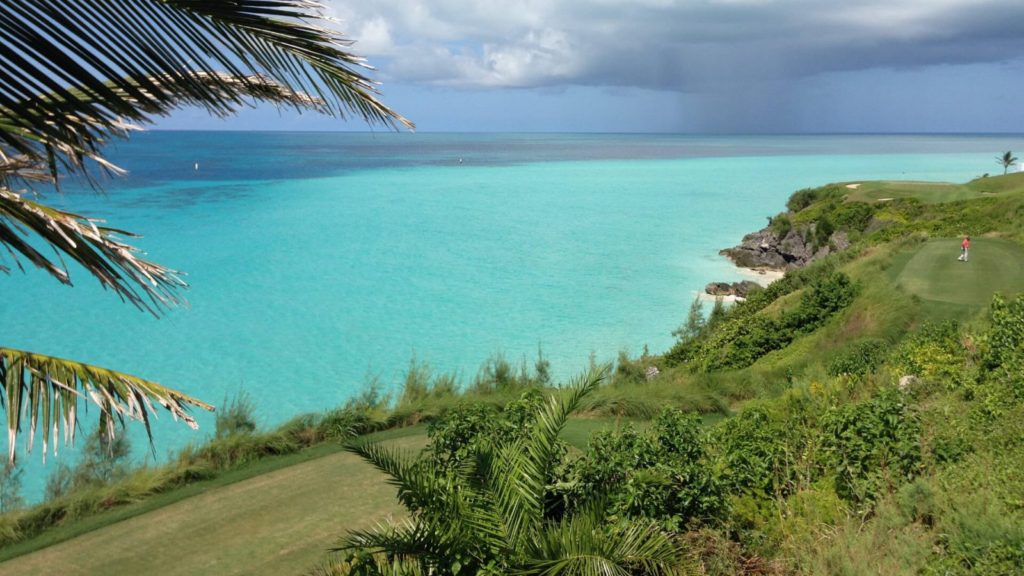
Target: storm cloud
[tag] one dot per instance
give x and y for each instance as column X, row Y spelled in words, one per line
column 685, row 46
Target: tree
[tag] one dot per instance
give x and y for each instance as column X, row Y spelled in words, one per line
column 10, row 487
column 69, row 84
column 489, row 512
column 103, row 460
column 694, row 323
column 1006, row 160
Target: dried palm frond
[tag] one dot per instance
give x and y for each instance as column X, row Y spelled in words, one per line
column 45, row 391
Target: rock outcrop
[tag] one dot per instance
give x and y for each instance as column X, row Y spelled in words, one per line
column 738, row 289
column 765, row 249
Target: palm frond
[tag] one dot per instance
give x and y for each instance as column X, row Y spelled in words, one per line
column 524, row 466
column 404, row 539
column 97, row 248
column 377, row 564
column 72, row 72
column 45, row 391
column 418, row 487
column 585, row 546
column 111, row 261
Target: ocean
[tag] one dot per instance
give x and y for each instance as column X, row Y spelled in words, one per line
column 321, row 261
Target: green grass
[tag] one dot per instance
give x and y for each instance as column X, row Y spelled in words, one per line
column 928, row 192
column 577, row 431
column 272, row 523
column 936, row 192
column 75, row 529
column 933, row 272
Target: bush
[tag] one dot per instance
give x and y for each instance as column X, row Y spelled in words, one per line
column 854, row 216
column 753, row 451
column 459, row 432
column 663, row 474
column 236, row 416
column 935, row 353
column 1004, row 343
column 801, row 199
column 874, row 446
column 859, row 359
column 780, row 225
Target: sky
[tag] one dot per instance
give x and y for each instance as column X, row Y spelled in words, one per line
column 689, row 66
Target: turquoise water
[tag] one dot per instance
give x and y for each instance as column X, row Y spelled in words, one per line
column 316, row 260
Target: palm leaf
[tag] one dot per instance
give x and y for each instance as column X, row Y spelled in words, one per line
column 112, row 51
column 405, row 539
column 585, row 546
column 418, row 488
column 45, row 391
column 523, row 467
column 97, row 248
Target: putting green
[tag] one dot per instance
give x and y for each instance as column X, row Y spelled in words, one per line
column 927, row 192
column 934, row 273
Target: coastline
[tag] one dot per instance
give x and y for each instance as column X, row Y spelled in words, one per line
column 761, row 275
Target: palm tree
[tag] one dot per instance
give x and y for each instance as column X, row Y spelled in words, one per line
column 75, row 74
column 489, row 516
column 1006, row 160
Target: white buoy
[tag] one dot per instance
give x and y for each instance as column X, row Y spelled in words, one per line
column 197, row 165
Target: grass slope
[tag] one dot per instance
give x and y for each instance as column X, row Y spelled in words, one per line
column 277, row 523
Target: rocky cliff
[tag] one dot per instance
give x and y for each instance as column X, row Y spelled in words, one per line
column 797, row 247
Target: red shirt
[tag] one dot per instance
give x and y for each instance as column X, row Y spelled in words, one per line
column 966, row 243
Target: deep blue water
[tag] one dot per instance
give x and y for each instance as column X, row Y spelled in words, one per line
column 320, row 260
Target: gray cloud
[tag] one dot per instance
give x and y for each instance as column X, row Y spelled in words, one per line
column 689, row 46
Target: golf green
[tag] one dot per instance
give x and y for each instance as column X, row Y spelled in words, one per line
column 934, row 272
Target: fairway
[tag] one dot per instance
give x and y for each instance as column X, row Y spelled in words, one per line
column 278, row 523
column 927, row 192
column 934, row 192
column 934, row 273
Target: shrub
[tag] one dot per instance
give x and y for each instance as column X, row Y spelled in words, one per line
column 236, row 416
column 801, row 199
column 628, row 370
column 859, row 359
column 10, row 488
column 873, row 446
column 1004, row 343
column 823, row 229
column 663, row 474
column 459, row 432
column 854, row 216
column 935, row 352
column 753, row 449
column 780, row 225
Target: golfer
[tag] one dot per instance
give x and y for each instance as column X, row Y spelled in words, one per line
column 965, row 247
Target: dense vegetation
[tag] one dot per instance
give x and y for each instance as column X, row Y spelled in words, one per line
column 865, row 414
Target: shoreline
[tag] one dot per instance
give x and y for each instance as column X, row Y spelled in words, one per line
column 761, row 275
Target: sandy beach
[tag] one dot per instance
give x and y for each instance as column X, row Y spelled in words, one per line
column 763, row 276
